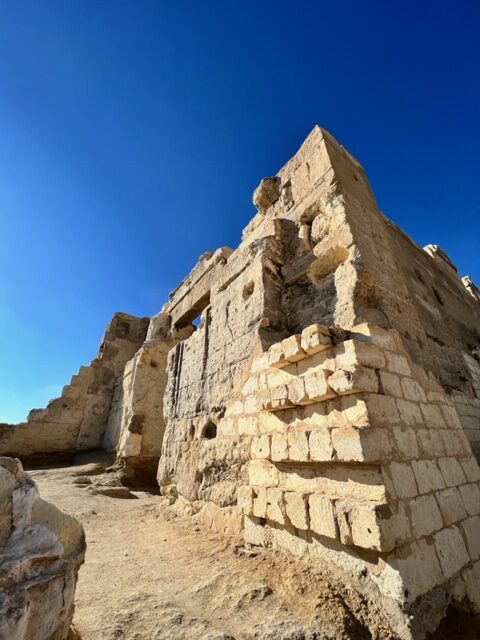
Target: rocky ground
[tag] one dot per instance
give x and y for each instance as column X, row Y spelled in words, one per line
column 154, row 573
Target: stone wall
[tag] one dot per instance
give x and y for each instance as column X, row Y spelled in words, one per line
column 77, row 419
column 41, row 549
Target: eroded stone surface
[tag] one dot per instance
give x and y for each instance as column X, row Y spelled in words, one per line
column 41, row 550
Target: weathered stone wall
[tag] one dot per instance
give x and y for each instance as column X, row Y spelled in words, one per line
column 358, row 457
column 41, row 550
column 77, row 419
column 328, row 400
column 337, row 432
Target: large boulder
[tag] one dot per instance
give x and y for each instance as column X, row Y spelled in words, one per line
column 41, row 550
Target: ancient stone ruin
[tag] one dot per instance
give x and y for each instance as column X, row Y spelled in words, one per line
column 317, row 388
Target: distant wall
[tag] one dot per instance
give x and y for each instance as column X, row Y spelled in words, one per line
column 77, row 419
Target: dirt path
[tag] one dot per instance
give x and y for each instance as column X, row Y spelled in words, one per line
column 151, row 574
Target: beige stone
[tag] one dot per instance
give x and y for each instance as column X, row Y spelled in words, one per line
column 322, row 516
column 292, row 348
column 296, row 509
column 315, row 338
column 451, row 505
column 320, row 445
column 276, row 506
column 356, row 352
column 451, row 551
column 279, row 447
column 471, row 529
column 426, row 516
column 298, row 446
column 403, row 480
column 353, row 380
column 262, row 472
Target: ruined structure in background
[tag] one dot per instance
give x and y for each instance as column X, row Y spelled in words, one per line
column 41, row 550
column 328, row 402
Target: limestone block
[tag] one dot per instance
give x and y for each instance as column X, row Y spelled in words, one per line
column 298, row 446
column 342, row 516
column 451, row 551
column 452, row 472
column 279, row 398
column 413, row 391
column 322, row 516
column 276, row 506
column 260, row 502
column 471, row 468
column 419, row 567
column 250, row 385
column 266, row 194
column 410, row 413
column 428, row 476
column 390, row 384
column 382, row 410
column 470, row 494
column 322, row 360
column 355, row 379
column 279, row 447
column 367, row 526
column 276, row 357
column 297, row 393
column 353, row 444
column 376, row 335
column 317, row 387
column 356, row 352
column 245, row 500
column 451, row 417
column 262, row 473
column 430, row 443
column 451, row 505
column 261, row 447
column 315, row 338
column 260, row 363
column 433, row 416
column 296, row 505
column 247, row 425
column 403, row 480
column 471, row 529
column 320, row 445
column 253, row 532
column 406, row 442
column 397, row 364
column 426, row 516
column 292, row 348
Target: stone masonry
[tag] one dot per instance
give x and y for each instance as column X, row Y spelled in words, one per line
column 317, row 388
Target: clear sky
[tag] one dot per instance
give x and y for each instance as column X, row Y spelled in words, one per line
column 132, row 135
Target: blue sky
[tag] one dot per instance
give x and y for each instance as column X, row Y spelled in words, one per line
column 133, row 134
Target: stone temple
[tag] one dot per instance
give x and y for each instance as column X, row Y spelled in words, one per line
column 317, row 388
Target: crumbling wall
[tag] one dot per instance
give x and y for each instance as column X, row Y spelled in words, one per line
column 41, row 550
column 339, row 434
column 359, row 459
column 77, row 419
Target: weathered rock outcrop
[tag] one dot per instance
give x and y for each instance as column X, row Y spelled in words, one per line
column 41, row 550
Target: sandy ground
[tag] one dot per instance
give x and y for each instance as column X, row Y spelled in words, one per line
column 151, row 574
